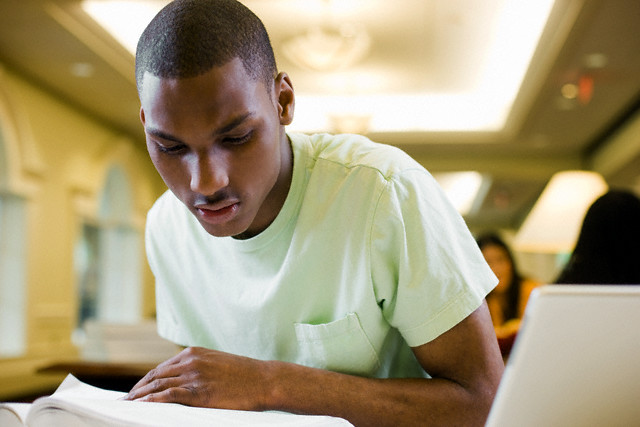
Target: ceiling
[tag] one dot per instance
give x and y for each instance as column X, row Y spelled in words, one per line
column 593, row 44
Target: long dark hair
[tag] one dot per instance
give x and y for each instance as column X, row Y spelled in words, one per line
column 608, row 247
column 510, row 311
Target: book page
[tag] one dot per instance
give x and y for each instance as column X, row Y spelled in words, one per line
column 13, row 414
column 76, row 403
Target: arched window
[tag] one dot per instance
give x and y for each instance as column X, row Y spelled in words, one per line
column 108, row 257
column 12, row 264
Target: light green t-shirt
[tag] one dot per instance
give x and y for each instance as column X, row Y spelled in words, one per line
column 365, row 259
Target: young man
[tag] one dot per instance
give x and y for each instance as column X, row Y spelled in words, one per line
column 311, row 274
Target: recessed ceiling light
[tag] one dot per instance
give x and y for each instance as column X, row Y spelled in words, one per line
column 569, row 90
column 595, row 60
column 82, row 69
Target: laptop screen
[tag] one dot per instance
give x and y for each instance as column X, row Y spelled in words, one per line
column 575, row 361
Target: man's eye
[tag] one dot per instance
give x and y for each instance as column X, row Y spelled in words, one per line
column 239, row 140
column 173, row 149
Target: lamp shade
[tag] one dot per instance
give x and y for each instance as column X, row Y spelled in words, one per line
column 555, row 221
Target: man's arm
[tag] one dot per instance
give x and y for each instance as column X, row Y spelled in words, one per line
column 465, row 365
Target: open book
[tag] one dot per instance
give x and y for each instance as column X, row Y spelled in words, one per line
column 75, row 403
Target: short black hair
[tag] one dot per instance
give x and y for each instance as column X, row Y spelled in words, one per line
column 189, row 37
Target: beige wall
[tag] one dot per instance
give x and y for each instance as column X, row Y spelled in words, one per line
column 57, row 158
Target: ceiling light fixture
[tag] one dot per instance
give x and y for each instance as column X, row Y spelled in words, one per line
column 82, row 69
column 328, row 47
column 569, row 90
column 595, row 60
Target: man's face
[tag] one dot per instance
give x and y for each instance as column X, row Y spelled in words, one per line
column 218, row 142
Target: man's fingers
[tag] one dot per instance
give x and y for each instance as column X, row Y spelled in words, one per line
column 156, row 380
column 172, row 395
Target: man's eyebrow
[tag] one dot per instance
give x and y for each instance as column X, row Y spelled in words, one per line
column 223, row 129
column 233, row 123
column 162, row 134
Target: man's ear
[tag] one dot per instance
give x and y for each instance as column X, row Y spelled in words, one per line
column 286, row 98
column 142, row 116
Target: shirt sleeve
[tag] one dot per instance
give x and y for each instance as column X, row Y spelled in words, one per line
column 427, row 270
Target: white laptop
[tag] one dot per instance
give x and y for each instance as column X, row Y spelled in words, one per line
column 575, row 361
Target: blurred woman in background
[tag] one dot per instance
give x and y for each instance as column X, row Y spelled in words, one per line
column 509, row 298
column 608, row 247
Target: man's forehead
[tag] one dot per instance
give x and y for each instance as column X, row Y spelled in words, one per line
column 152, row 82
column 154, row 86
column 217, row 98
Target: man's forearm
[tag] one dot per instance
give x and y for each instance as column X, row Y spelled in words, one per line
column 465, row 364
column 376, row 402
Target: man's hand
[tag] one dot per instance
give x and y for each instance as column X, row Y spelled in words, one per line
column 206, row 378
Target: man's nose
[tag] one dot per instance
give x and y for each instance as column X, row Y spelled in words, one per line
column 209, row 174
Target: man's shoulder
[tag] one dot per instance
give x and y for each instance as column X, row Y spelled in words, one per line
column 352, row 151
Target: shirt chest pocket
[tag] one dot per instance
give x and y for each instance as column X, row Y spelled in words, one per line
column 340, row 346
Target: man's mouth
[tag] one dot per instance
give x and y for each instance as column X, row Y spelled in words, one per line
column 217, row 214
